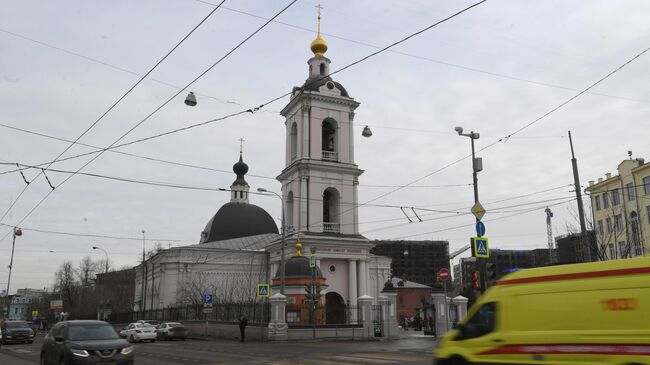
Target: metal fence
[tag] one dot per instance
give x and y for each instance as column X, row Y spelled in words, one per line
column 304, row 314
column 222, row 312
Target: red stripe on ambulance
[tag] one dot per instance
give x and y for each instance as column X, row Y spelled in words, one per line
column 571, row 349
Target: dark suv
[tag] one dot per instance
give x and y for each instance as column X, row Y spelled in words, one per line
column 17, row 331
column 85, row 342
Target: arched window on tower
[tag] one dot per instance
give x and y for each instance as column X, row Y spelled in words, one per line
column 636, row 234
column 329, row 140
column 322, row 69
column 331, row 211
column 294, row 141
column 288, row 219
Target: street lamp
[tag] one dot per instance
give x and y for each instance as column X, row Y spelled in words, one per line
column 262, row 190
column 477, row 166
column 17, row 232
column 477, row 163
column 105, row 253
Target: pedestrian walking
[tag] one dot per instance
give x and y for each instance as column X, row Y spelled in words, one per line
column 243, row 322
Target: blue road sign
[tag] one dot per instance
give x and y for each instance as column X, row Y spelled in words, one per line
column 208, row 298
column 480, row 229
column 480, row 247
column 263, row 290
column 312, row 261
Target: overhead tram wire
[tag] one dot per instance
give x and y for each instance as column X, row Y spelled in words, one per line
column 126, row 238
column 101, row 117
column 505, row 139
column 466, row 68
column 285, row 94
column 156, row 110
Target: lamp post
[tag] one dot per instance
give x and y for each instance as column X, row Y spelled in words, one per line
column 105, row 253
column 262, row 190
column 477, row 166
column 17, row 232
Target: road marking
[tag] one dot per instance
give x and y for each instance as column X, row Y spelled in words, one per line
column 21, row 351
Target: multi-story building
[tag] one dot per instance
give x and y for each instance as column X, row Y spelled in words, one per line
column 620, row 208
column 24, row 302
column 570, row 248
column 417, row 261
column 505, row 262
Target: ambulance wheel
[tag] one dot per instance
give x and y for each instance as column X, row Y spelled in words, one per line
column 458, row 361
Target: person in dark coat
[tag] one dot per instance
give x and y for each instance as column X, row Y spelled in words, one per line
column 243, row 322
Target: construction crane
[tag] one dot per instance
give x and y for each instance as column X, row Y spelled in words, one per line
column 549, row 236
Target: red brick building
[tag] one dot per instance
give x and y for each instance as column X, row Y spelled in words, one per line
column 410, row 297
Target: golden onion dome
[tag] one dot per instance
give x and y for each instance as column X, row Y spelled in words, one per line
column 319, row 46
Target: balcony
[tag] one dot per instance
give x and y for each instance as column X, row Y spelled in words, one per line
column 330, row 156
column 331, row 227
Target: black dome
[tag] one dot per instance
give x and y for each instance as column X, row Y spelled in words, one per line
column 240, row 168
column 298, row 267
column 235, row 220
column 315, row 82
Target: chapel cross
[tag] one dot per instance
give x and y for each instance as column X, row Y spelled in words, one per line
column 241, row 145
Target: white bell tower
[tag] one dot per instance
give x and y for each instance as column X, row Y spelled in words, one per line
column 320, row 178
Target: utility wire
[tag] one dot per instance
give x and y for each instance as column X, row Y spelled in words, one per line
column 113, row 106
column 126, row 238
column 155, row 111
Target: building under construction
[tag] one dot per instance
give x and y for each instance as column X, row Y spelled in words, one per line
column 417, row 261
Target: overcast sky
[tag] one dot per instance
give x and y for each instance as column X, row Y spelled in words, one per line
column 493, row 69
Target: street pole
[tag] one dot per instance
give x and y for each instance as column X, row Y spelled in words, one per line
column 586, row 249
column 17, row 232
column 144, row 279
column 282, row 276
column 476, row 167
column 105, row 253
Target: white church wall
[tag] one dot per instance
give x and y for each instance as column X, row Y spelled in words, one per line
column 338, row 280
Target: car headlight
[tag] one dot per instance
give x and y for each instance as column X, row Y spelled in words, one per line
column 127, row 350
column 80, row 353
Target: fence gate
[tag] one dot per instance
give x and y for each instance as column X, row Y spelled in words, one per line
column 377, row 319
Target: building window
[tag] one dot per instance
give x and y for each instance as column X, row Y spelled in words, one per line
column 618, row 222
column 289, row 210
column 608, row 222
column 293, row 317
column 332, row 269
column 616, row 197
column 631, row 194
column 322, row 69
column 636, row 233
column 328, row 140
column 622, row 249
column 647, row 213
column 612, row 251
column 606, row 200
column 294, row 142
column 331, row 210
column 600, row 227
column 597, row 202
column 646, row 185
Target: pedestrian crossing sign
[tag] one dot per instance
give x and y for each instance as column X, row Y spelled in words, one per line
column 480, row 247
column 263, row 290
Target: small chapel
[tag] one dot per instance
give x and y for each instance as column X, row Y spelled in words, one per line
column 241, row 245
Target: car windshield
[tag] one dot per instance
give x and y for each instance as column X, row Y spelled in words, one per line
column 11, row 325
column 92, row 332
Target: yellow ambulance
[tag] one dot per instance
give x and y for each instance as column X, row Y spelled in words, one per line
column 593, row 313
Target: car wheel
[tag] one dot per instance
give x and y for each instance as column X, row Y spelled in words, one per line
column 458, row 361
column 131, row 339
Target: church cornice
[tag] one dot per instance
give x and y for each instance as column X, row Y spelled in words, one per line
column 305, row 165
column 309, row 96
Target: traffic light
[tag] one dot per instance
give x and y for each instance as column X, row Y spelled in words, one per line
column 491, row 269
column 476, row 280
column 309, row 294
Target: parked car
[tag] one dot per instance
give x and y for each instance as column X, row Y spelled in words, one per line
column 85, row 342
column 139, row 331
column 171, row 330
column 17, row 331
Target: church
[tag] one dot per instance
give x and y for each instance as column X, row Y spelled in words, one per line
column 241, row 246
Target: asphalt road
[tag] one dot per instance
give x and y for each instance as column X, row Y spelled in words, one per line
column 414, row 351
